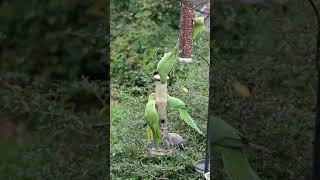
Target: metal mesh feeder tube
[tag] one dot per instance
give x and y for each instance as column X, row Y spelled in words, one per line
column 185, row 34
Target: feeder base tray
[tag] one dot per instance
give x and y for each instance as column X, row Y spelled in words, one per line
column 158, row 152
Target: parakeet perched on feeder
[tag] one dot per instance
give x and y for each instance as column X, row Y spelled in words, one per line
column 198, row 27
column 177, row 104
column 231, row 144
column 166, row 63
column 152, row 117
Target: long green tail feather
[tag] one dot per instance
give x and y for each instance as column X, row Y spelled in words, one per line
column 237, row 165
column 186, row 117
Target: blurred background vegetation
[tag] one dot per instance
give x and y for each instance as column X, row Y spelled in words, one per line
column 271, row 50
column 53, row 89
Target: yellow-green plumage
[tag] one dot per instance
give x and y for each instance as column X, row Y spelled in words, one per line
column 198, row 28
column 179, row 105
column 231, row 144
column 225, row 135
column 165, row 65
column 152, row 117
column 176, row 103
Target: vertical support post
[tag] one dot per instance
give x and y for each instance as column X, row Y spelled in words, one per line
column 185, row 34
column 316, row 142
column 161, row 102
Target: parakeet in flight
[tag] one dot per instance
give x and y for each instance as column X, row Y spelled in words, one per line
column 166, row 63
column 177, row 104
column 231, row 144
column 152, row 117
column 198, row 27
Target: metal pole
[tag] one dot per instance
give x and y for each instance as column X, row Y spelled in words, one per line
column 210, row 116
column 316, row 142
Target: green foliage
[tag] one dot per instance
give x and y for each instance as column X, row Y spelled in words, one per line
column 64, row 127
column 129, row 157
column 137, row 34
column 52, row 39
column 47, row 51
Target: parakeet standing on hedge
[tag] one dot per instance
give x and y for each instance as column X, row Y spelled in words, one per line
column 166, row 63
column 152, row 117
column 231, row 144
column 177, row 104
column 198, row 27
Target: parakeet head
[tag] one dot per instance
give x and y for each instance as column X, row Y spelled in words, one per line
column 152, row 96
column 199, row 20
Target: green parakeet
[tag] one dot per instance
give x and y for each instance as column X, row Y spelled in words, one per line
column 177, row 104
column 231, row 144
column 198, row 27
column 166, row 63
column 152, row 117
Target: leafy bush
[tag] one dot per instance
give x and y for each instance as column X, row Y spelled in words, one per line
column 52, row 63
column 53, row 39
column 138, row 37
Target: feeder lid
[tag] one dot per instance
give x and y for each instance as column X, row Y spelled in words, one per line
column 157, row 77
column 185, row 60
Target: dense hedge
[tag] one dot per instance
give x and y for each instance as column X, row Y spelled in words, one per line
column 53, row 63
column 53, row 39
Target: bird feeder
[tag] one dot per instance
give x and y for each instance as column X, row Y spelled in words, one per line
column 161, row 104
column 170, row 140
column 185, row 34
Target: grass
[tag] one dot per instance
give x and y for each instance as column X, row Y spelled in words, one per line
column 60, row 138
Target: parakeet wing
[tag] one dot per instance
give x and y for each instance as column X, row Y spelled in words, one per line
column 237, row 165
column 176, row 103
column 165, row 65
column 152, row 118
column 230, row 142
column 197, row 31
column 222, row 130
column 186, row 117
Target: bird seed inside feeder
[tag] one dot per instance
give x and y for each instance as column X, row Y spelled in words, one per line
column 185, row 36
